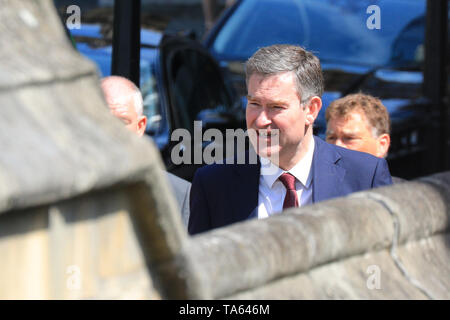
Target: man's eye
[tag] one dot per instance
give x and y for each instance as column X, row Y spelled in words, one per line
column 330, row 138
column 350, row 139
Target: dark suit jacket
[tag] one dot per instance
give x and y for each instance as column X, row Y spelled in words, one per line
column 222, row 194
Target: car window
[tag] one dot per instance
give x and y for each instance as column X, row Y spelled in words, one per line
column 336, row 31
column 151, row 93
column 196, row 86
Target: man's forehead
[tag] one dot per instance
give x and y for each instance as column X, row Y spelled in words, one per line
column 286, row 76
column 279, row 100
column 349, row 123
column 122, row 107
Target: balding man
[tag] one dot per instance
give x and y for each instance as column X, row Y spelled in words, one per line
column 125, row 102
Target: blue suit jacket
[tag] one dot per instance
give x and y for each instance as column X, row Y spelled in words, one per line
column 222, row 194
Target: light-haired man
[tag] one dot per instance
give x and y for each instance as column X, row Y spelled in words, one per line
column 285, row 85
column 125, row 102
column 359, row 122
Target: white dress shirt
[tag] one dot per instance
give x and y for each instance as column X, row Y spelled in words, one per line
column 272, row 191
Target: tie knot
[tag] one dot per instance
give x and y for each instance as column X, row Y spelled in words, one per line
column 288, row 181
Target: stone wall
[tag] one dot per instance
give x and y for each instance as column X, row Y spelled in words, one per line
column 337, row 249
column 66, row 170
column 82, row 248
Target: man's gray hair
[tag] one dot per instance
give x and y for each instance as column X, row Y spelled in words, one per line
column 284, row 58
column 138, row 101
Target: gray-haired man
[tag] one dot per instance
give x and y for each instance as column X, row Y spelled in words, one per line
column 284, row 85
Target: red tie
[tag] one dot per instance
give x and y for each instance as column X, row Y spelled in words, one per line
column 291, row 199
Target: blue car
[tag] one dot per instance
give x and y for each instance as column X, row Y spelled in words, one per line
column 180, row 83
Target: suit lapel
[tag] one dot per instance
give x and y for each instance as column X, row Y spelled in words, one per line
column 327, row 174
column 245, row 191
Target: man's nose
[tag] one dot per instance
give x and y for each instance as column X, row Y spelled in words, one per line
column 263, row 119
column 339, row 143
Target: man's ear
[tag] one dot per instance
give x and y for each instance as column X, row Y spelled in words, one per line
column 141, row 125
column 313, row 108
column 384, row 141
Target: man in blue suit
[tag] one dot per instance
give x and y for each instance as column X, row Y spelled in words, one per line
column 284, row 84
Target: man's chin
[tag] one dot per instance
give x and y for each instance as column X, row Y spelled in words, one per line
column 271, row 154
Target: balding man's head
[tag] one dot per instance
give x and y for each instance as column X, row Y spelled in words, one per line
column 125, row 102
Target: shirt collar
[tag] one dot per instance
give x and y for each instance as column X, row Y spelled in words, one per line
column 301, row 171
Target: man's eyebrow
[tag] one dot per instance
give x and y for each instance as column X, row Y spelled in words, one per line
column 275, row 102
column 350, row 132
column 279, row 102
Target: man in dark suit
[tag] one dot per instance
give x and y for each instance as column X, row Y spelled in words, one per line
column 284, row 84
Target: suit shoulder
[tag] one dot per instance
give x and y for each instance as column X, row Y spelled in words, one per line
column 356, row 160
column 366, row 165
column 214, row 169
column 357, row 156
column 362, row 168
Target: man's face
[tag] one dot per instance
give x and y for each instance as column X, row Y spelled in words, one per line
column 274, row 103
column 353, row 132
